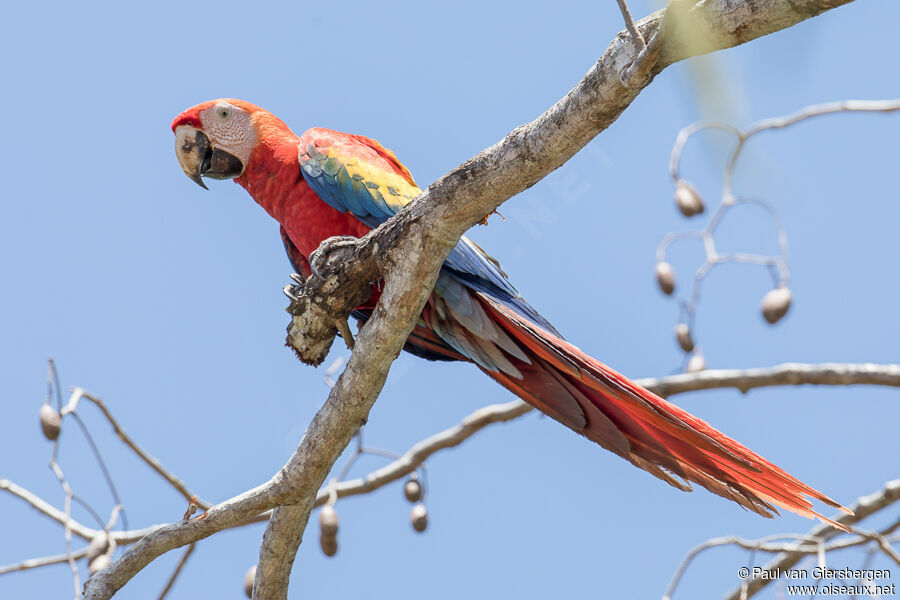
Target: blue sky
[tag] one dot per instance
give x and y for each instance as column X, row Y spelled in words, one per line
column 166, row 300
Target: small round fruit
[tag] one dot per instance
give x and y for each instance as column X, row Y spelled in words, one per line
column 696, row 363
column 328, row 520
column 51, row 422
column 665, row 277
column 413, row 490
column 776, row 303
column 419, row 517
column 688, row 199
column 329, row 544
column 249, row 578
column 98, row 564
column 99, row 545
column 683, row 335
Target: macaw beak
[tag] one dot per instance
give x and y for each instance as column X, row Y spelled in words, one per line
column 198, row 158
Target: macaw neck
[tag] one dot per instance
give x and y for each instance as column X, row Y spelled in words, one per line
column 273, row 178
column 271, row 172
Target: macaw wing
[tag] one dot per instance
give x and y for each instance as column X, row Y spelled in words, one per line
column 356, row 174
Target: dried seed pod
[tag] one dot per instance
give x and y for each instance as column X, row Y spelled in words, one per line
column 418, row 516
column 99, row 545
column 249, row 578
column 413, row 490
column 329, row 544
column 665, row 277
column 98, row 564
column 683, row 335
column 328, row 520
column 776, row 303
column 50, row 422
column 688, row 199
column 696, row 363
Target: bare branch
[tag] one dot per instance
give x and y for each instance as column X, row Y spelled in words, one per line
column 817, row 110
column 33, row 563
column 639, row 41
column 777, row 301
column 154, row 463
column 251, row 506
column 784, row 374
column 45, row 508
column 805, row 544
column 743, row 379
column 178, row 568
column 883, row 543
column 863, row 508
column 76, row 578
column 415, row 456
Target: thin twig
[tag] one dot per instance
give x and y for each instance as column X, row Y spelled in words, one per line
column 864, row 507
column 778, row 265
column 33, row 563
column 882, row 542
column 178, row 568
column 102, row 464
column 416, row 455
column 76, row 578
column 53, row 383
column 636, row 36
column 44, row 507
column 154, row 463
column 810, row 543
column 784, row 374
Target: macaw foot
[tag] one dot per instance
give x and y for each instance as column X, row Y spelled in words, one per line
column 294, row 290
column 342, row 271
column 319, row 258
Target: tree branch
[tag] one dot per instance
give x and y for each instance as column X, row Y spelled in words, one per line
column 152, row 462
column 248, row 507
column 864, row 507
column 408, row 250
column 48, row 510
column 178, row 568
column 783, row 374
column 804, row 544
column 33, row 563
column 743, row 379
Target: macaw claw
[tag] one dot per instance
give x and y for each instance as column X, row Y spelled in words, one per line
column 319, row 257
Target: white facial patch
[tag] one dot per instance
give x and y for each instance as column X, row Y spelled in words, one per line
column 229, row 128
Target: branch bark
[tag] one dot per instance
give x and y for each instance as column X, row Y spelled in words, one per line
column 409, row 249
column 783, row 374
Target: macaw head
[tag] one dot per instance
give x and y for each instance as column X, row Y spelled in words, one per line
column 214, row 139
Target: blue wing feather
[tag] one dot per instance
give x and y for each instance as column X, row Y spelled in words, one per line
column 356, row 175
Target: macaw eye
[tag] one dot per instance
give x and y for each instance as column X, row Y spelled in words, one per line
column 224, row 113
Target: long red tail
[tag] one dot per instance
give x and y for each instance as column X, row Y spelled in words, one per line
column 651, row 433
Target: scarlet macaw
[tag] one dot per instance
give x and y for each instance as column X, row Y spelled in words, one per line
column 325, row 183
